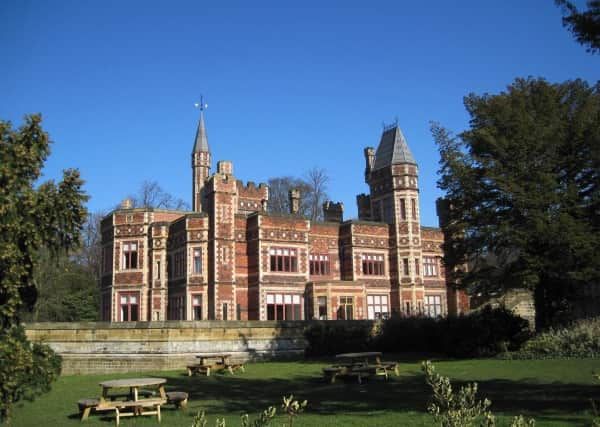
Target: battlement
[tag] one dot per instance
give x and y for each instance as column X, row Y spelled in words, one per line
column 251, row 190
column 333, row 211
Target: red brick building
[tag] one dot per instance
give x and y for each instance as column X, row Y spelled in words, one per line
column 228, row 259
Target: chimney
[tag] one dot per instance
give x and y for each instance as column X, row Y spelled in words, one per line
column 225, row 167
column 364, row 206
column 126, row 203
column 333, row 212
column 294, row 195
column 370, row 161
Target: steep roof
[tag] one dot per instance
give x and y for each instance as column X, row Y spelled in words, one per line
column 392, row 149
column 201, row 143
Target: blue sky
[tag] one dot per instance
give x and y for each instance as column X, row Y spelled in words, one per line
column 290, row 85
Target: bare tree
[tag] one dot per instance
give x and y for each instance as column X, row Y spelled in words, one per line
column 151, row 195
column 317, row 180
column 313, row 192
column 279, row 201
column 90, row 253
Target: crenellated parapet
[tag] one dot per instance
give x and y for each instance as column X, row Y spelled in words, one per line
column 333, row 211
column 252, row 198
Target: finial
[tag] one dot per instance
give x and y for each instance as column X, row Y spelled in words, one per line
column 201, row 105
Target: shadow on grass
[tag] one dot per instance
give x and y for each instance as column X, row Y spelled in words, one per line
column 242, row 393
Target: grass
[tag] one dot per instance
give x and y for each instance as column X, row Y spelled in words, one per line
column 554, row 392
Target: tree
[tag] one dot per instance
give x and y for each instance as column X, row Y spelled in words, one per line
column 67, row 290
column 317, row 180
column 585, row 26
column 523, row 193
column 313, row 193
column 50, row 216
column 279, row 188
column 151, row 195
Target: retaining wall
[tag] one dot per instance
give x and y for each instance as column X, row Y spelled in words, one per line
column 102, row 347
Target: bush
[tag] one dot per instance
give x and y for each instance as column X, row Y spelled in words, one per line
column 26, row 370
column 580, row 339
column 460, row 408
column 482, row 333
column 326, row 338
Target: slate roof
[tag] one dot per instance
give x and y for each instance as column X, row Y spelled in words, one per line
column 201, row 143
column 392, row 149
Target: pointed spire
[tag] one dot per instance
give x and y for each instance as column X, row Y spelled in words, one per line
column 392, row 149
column 201, row 142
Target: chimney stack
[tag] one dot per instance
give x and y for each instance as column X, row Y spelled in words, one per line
column 370, row 161
column 294, row 195
column 126, row 203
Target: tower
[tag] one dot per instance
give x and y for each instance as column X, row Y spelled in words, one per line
column 394, row 195
column 200, row 163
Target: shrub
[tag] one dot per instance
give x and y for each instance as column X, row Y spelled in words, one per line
column 326, row 338
column 461, row 409
column 452, row 409
column 580, row 339
column 26, row 370
column 291, row 407
column 482, row 333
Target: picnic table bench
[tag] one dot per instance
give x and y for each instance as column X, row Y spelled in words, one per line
column 214, row 361
column 359, row 365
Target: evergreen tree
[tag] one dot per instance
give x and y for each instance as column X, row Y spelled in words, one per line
column 585, row 25
column 523, row 193
column 50, row 216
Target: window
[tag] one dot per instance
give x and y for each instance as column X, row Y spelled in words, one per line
column 158, row 270
column 346, row 309
column 407, row 309
column 405, row 266
column 130, row 255
column 372, row 264
column 377, row 307
column 283, row 307
column 433, row 305
column 403, row 209
column 430, row 266
column 413, row 206
column 322, row 307
column 284, row 259
column 225, row 311
column 319, row 264
column 128, row 304
column 197, row 260
column 197, row 307
column 417, row 270
column 179, row 264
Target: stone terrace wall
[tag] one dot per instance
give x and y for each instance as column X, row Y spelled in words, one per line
column 101, row 347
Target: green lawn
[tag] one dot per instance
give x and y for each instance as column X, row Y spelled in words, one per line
column 555, row 392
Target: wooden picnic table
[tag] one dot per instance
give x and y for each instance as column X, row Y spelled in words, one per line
column 214, row 361
column 363, row 358
column 360, row 365
column 139, row 403
column 221, row 358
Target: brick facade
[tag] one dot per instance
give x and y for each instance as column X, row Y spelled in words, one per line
column 229, row 259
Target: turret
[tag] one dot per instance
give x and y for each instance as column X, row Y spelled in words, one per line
column 200, row 163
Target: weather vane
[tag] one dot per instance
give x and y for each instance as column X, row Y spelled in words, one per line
column 201, row 105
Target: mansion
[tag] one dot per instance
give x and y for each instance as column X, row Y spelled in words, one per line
column 230, row 259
